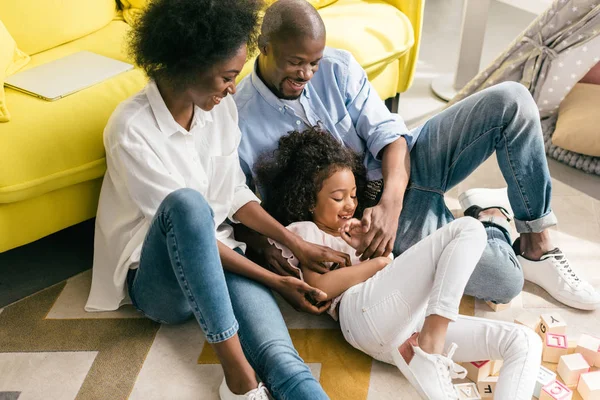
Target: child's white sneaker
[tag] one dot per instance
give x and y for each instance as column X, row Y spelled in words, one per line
column 431, row 374
column 260, row 393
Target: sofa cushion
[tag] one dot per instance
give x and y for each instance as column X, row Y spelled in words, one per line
column 375, row 32
column 51, row 145
column 11, row 60
column 578, row 124
column 38, row 25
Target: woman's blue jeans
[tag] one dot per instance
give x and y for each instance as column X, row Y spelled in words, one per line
column 180, row 275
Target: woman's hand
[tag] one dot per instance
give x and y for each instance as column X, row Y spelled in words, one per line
column 297, row 292
column 277, row 263
column 314, row 256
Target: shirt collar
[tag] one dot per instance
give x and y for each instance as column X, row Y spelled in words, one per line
column 164, row 118
column 266, row 93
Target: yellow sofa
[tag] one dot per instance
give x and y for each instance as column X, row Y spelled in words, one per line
column 51, row 153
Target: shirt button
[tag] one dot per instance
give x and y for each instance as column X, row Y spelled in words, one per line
column 298, row 122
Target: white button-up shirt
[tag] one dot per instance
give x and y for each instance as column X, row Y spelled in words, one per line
column 148, row 156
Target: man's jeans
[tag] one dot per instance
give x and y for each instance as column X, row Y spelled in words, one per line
column 502, row 119
column 180, row 276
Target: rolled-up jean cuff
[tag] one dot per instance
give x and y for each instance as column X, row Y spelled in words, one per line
column 223, row 336
column 537, row 225
column 452, row 315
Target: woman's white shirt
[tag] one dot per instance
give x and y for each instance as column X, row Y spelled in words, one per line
column 149, row 155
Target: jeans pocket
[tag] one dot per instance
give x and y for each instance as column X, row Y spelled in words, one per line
column 387, row 318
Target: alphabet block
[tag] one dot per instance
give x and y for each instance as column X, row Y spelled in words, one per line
column 552, row 323
column 467, row 391
column 589, row 347
column 589, row 386
column 478, row 370
column 570, row 367
column 487, row 386
column 498, row 307
column 529, row 320
column 572, row 347
column 556, row 391
column 554, row 347
column 545, row 376
column 496, row 365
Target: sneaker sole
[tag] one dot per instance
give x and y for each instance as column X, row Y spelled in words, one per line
column 412, row 379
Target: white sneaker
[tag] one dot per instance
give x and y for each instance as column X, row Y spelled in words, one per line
column 431, row 374
column 260, row 393
column 486, row 198
column 554, row 274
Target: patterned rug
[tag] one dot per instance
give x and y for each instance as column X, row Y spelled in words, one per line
column 51, row 349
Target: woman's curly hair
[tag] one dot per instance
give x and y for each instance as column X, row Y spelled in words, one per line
column 292, row 176
column 176, row 40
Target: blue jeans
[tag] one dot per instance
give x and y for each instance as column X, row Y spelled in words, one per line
column 451, row 145
column 180, row 275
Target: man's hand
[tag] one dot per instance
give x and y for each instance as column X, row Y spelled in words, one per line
column 314, row 256
column 277, row 263
column 295, row 292
column 379, row 225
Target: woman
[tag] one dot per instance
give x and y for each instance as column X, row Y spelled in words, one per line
column 173, row 179
column 313, row 184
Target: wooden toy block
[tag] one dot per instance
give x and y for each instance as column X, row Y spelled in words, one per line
column 589, row 386
column 552, row 323
column 487, row 387
column 529, row 320
column 555, row 346
column 496, row 365
column 570, row 367
column 589, row 347
column 545, row 376
column 556, row 391
column 467, row 391
column 498, row 307
column 571, row 346
column 478, row 370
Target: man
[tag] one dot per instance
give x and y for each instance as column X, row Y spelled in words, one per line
column 297, row 82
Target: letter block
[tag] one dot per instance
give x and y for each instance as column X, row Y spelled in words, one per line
column 529, row 320
column 554, row 347
column 552, row 323
column 589, row 347
column 496, row 365
column 487, row 387
column 498, row 307
column 556, row 391
column 545, row 376
column 467, row 391
column 589, row 386
column 570, row 367
column 478, row 370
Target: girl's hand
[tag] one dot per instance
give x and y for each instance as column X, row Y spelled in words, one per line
column 314, row 256
column 297, row 292
column 352, row 233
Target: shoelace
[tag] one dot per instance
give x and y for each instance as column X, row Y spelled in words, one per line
column 261, row 393
column 561, row 263
column 450, row 370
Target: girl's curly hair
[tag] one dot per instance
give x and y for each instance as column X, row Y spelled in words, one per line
column 175, row 40
column 292, row 176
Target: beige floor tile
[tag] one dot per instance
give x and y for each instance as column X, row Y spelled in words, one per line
column 387, row 383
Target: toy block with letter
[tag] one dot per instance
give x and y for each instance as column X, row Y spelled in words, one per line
column 589, row 347
column 570, row 367
column 498, row 307
column 496, row 365
column 555, row 346
column 552, row 323
column 487, row 386
column 589, row 386
column 556, row 391
column 467, row 391
column 529, row 320
column 478, row 370
column 545, row 376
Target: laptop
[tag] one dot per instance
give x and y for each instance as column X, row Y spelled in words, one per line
column 67, row 75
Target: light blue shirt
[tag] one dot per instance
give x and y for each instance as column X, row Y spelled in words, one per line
column 339, row 96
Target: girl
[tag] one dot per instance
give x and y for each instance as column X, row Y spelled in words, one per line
column 313, row 185
column 173, row 178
